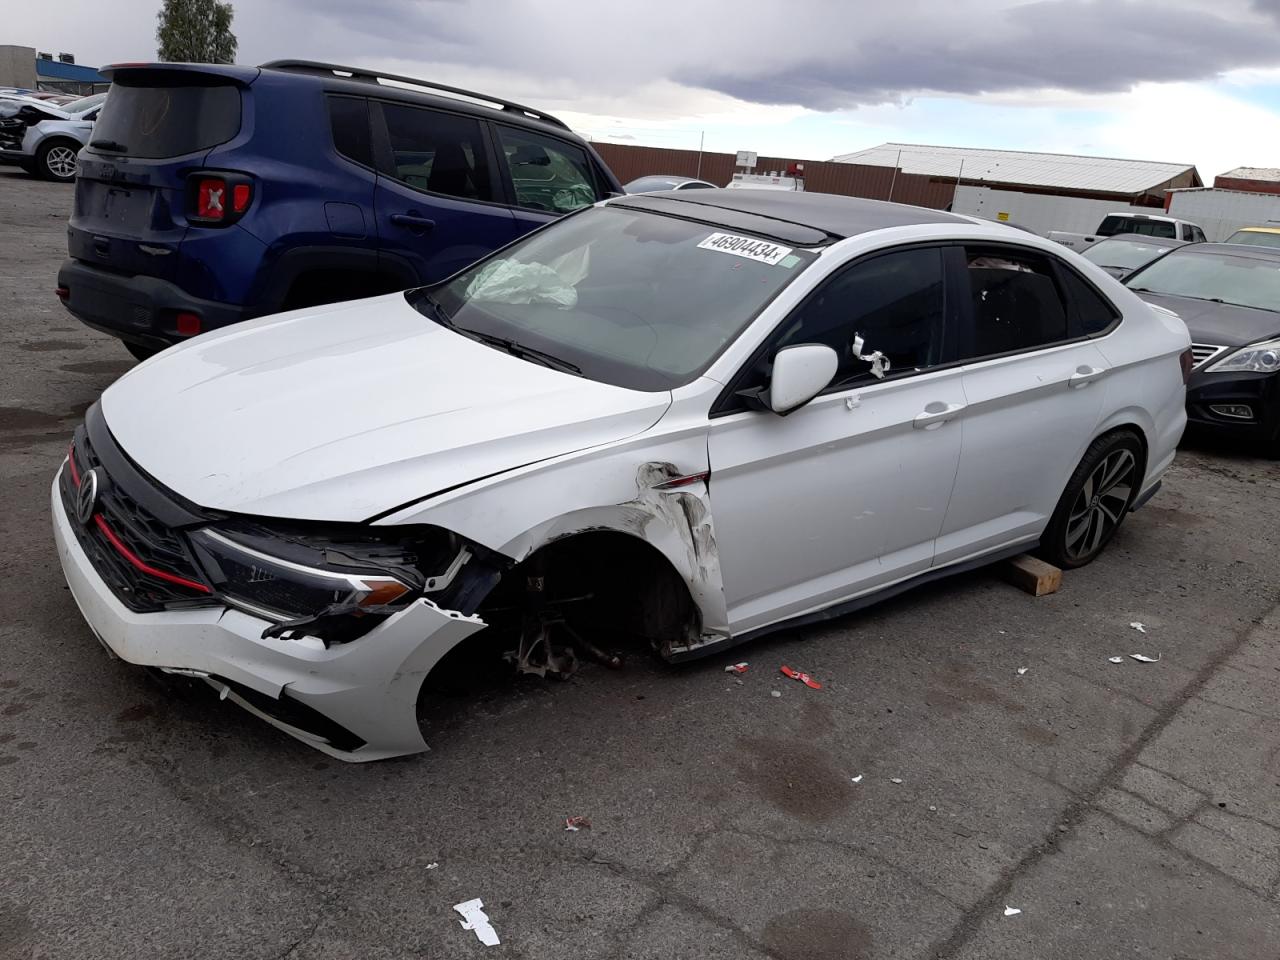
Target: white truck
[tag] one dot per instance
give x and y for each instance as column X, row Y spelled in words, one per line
column 1146, row 224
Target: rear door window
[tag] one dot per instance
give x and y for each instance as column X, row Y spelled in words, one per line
column 168, row 121
column 438, row 152
column 546, row 173
column 1015, row 302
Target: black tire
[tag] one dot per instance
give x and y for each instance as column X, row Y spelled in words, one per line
column 1096, row 500
column 55, row 160
column 141, row 353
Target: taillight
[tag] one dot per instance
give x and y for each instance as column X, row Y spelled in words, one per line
column 188, row 324
column 216, row 199
column 211, row 199
column 1187, row 359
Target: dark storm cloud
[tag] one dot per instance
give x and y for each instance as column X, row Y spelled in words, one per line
column 1065, row 44
column 822, row 54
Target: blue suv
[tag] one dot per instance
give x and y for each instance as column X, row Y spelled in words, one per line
column 211, row 194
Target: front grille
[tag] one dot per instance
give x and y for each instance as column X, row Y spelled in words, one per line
column 145, row 563
column 1202, row 353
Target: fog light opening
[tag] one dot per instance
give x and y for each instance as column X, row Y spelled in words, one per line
column 1232, row 411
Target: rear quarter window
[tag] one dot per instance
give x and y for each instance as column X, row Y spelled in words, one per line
column 169, row 121
column 1094, row 312
column 349, row 119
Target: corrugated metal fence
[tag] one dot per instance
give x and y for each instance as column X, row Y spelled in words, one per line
column 847, row 179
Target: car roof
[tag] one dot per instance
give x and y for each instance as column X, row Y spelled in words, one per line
column 793, row 216
column 1145, row 238
column 360, row 82
column 1244, row 250
column 1259, row 230
column 673, row 177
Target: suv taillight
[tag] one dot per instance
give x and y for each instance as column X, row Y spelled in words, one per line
column 217, row 198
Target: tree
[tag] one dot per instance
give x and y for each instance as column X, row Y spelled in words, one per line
column 195, row 31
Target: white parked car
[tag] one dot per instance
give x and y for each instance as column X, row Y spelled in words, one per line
column 44, row 138
column 688, row 421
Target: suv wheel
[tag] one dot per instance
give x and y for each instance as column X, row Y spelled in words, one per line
column 56, row 160
column 1097, row 498
column 141, row 353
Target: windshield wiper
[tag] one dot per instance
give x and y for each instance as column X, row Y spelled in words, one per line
column 517, row 349
column 112, row 145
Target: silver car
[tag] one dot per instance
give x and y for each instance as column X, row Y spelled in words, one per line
column 44, row 139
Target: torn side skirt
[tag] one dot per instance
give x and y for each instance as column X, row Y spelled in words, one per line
column 705, row 645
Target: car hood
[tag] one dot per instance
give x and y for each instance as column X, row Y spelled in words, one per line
column 347, row 411
column 1219, row 323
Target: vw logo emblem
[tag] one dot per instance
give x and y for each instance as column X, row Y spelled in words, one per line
column 87, row 497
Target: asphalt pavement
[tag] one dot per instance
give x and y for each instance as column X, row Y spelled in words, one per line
column 1127, row 810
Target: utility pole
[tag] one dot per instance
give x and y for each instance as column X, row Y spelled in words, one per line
column 702, row 137
column 897, row 165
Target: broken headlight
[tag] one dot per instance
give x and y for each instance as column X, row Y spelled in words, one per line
column 333, row 585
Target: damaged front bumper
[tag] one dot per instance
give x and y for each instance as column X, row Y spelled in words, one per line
column 355, row 701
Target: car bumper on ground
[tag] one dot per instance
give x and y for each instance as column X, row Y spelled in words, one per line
column 137, row 309
column 355, row 701
column 1245, row 405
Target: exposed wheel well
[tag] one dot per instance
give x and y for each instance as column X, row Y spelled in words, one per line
column 615, row 590
column 632, row 592
column 314, row 287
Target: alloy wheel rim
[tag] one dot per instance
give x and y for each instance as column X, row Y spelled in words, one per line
column 61, row 162
column 1100, row 505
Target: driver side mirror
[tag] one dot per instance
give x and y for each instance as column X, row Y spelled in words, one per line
column 800, row 373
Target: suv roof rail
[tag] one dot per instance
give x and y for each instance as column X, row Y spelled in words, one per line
column 374, row 76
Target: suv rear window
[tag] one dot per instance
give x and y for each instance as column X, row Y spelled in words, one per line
column 168, row 121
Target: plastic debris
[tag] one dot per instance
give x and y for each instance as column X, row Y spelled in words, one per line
column 1011, row 911
column 574, row 824
column 775, row 693
column 804, row 678
column 476, row 920
column 933, row 809
column 736, row 667
column 433, row 865
column 895, row 779
column 857, row 779
column 1115, row 659
column 1143, row 658
column 1141, row 628
column 1022, row 671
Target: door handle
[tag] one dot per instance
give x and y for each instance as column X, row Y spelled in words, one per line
column 936, row 414
column 1084, row 376
column 413, row 221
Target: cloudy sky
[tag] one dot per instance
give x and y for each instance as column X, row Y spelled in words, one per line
column 1194, row 81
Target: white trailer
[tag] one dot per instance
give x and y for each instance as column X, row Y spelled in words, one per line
column 1223, row 212
column 1038, row 212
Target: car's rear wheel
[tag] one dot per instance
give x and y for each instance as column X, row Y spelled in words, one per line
column 56, row 160
column 1096, row 500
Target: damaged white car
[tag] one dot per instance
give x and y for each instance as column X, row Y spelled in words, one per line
column 685, row 419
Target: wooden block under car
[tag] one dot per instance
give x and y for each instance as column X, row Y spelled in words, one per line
column 1032, row 575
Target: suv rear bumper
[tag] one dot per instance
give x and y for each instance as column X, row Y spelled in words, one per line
column 137, row 309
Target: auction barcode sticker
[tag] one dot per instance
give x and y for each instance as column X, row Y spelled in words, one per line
column 762, row 251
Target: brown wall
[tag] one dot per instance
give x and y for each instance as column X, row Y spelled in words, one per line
column 1250, row 186
column 848, row 179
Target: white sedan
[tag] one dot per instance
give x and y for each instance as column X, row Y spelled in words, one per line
column 689, row 418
